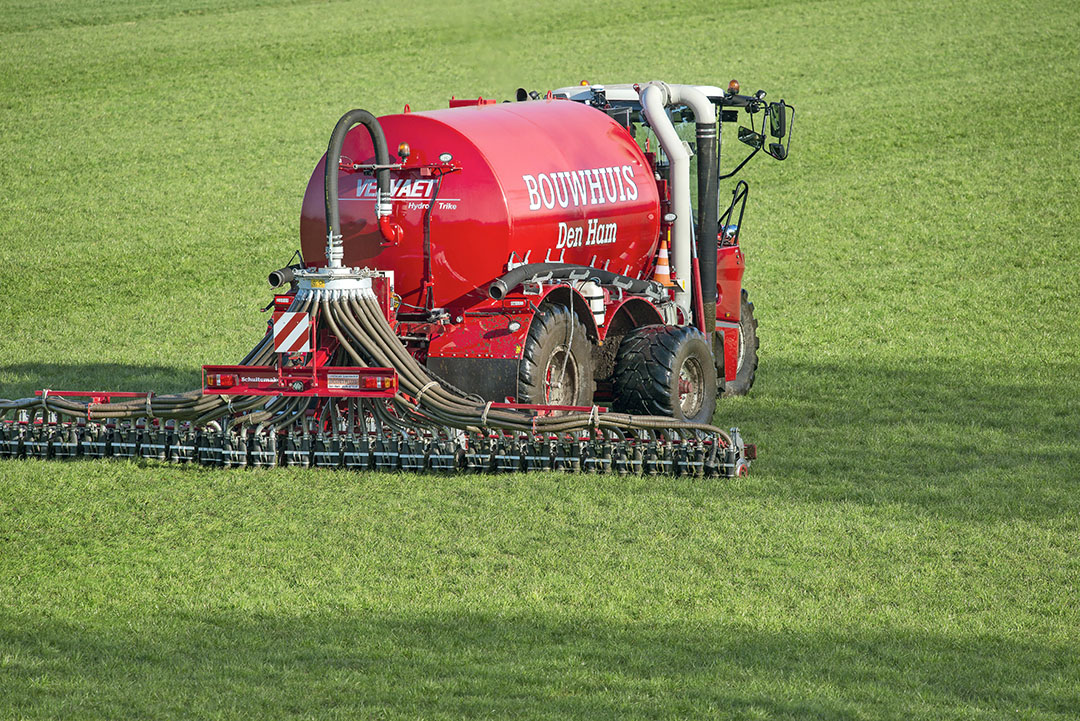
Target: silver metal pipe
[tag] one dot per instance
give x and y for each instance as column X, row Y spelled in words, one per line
column 655, row 98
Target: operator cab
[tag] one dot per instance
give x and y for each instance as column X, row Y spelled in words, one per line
column 614, row 99
column 622, row 102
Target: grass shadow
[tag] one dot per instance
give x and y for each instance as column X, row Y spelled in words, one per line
column 951, row 437
column 465, row 665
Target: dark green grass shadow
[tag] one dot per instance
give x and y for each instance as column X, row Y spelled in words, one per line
column 951, row 437
column 468, row 665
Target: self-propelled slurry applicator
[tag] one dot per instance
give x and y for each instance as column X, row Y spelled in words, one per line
column 546, row 284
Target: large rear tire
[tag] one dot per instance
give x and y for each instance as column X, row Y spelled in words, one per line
column 666, row 370
column 748, row 351
column 556, row 362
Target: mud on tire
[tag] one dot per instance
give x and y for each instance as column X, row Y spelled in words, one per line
column 556, row 362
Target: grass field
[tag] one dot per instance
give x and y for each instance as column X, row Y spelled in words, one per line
column 906, row 547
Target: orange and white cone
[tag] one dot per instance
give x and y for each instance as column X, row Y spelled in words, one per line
column 662, row 274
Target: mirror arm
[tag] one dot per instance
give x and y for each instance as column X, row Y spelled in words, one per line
column 740, row 165
column 753, row 127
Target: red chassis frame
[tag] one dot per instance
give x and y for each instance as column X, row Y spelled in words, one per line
column 300, row 381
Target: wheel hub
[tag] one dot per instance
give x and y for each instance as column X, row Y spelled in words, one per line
column 691, row 387
column 560, row 379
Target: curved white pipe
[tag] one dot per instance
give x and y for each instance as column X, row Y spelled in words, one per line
column 655, row 97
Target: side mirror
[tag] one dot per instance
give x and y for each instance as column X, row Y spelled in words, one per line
column 778, row 119
column 748, row 136
column 777, row 150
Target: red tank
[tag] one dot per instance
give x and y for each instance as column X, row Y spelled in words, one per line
column 549, row 180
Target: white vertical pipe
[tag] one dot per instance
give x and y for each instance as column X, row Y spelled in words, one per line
column 655, row 97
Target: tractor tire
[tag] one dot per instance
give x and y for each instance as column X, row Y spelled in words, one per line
column 748, row 351
column 664, row 370
column 556, row 362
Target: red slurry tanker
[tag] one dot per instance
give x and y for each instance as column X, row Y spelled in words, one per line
column 546, row 284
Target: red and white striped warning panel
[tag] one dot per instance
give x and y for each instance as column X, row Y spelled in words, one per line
column 292, row 333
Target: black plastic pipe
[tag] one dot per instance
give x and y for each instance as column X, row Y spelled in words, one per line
column 522, row 273
column 281, row 276
column 708, row 223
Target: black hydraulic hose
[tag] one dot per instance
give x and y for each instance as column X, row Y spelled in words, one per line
column 438, row 400
column 339, row 315
column 294, row 410
column 416, row 375
column 241, row 404
column 363, row 322
column 708, row 222
column 363, row 337
column 412, row 376
column 257, row 350
column 333, row 154
column 339, row 335
column 522, row 273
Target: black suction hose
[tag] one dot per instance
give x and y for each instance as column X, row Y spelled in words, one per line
column 522, row 273
column 708, row 221
column 281, row 276
column 333, row 154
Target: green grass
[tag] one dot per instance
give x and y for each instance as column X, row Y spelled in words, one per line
column 907, row 545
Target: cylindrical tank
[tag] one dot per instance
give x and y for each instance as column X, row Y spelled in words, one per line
column 550, row 180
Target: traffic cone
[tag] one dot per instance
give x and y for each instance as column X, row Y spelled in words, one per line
column 662, row 274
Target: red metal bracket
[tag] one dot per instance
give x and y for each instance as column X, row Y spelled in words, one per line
column 470, row 102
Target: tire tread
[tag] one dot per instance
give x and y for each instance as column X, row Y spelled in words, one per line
column 644, row 367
